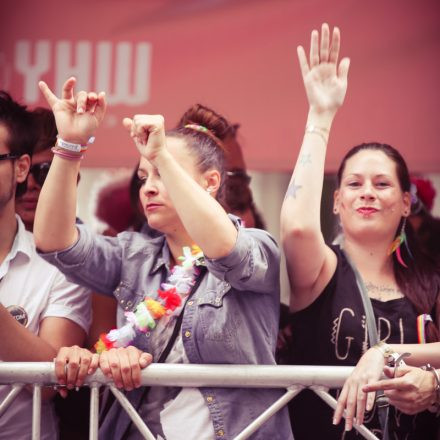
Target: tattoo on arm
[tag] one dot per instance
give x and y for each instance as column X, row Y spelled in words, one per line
column 305, row 159
column 292, row 190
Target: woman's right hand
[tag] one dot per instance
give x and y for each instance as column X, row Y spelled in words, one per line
column 124, row 365
column 72, row 365
column 324, row 80
column 353, row 399
column 77, row 116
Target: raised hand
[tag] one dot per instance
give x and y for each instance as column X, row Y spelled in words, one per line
column 148, row 133
column 324, row 80
column 77, row 117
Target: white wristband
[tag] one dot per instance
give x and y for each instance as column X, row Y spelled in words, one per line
column 77, row 148
column 68, row 145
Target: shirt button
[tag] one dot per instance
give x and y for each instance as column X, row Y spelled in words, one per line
column 220, row 433
column 187, row 334
column 148, row 334
column 210, row 399
column 191, row 302
column 129, row 303
column 122, row 301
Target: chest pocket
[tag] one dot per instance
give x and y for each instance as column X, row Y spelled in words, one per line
column 127, row 298
column 214, row 296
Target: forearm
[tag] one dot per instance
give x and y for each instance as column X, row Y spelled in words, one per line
column 19, row 344
column 199, row 212
column 421, row 354
column 54, row 226
column 302, row 205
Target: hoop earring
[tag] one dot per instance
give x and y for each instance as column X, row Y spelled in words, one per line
column 397, row 243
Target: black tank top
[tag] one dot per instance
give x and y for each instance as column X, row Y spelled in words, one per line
column 333, row 331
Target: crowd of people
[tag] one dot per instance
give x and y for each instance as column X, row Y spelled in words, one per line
column 191, row 276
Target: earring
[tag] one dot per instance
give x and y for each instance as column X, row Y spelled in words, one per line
column 335, row 210
column 397, row 243
column 209, row 190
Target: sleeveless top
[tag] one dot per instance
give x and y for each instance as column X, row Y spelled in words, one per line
column 332, row 331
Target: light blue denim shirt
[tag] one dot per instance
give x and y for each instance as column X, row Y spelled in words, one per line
column 232, row 318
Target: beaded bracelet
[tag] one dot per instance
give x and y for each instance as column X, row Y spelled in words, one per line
column 436, row 405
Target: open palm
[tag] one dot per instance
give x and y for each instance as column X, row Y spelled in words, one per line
column 325, row 82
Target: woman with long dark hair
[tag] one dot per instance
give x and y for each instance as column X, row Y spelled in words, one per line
column 330, row 318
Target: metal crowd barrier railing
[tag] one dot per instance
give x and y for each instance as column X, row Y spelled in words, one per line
column 292, row 378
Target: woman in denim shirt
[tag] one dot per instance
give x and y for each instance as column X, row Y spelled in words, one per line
column 232, row 315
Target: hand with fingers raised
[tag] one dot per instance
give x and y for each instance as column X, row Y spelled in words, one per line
column 353, row 399
column 124, row 366
column 72, row 365
column 148, row 133
column 324, row 79
column 77, row 116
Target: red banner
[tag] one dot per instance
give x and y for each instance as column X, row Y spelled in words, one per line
column 239, row 57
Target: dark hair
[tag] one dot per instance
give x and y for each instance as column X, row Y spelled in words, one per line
column 206, row 145
column 20, row 125
column 46, row 129
column 420, row 282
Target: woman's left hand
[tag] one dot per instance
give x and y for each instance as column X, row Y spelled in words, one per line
column 353, row 398
column 124, row 365
column 148, row 133
column 411, row 391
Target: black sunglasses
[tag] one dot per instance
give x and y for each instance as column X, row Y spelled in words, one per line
column 39, row 172
column 8, row 156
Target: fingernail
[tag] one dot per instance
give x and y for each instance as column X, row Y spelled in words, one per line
column 334, row 422
column 62, row 382
column 77, row 388
column 80, row 110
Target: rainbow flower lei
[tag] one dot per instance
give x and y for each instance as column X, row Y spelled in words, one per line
column 150, row 310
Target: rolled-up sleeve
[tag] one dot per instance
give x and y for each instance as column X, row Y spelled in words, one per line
column 94, row 261
column 252, row 265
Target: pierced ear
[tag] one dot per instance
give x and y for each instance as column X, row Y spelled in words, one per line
column 336, row 202
column 22, row 165
column 406, row 204
column 212, row 180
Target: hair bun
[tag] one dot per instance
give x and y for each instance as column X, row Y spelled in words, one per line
column 204, row 116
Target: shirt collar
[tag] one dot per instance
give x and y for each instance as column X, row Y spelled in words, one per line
column 162, row 257
column 21, row 244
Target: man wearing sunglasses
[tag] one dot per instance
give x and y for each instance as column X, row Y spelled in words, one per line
column 46, row 136
column 40, row 311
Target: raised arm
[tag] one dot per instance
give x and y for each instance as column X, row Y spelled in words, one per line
column 199, row 212
column 77, row 118
column 310, row 262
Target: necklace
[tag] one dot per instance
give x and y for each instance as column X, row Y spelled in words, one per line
column 150, row 310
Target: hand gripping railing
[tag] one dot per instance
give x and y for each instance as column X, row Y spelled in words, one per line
column 292, row 378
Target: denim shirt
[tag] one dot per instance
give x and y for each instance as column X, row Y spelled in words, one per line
column 232, row 318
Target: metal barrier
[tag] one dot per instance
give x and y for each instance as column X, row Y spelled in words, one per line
column 292, row 378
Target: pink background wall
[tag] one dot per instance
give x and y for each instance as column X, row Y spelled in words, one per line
column 238, row 56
